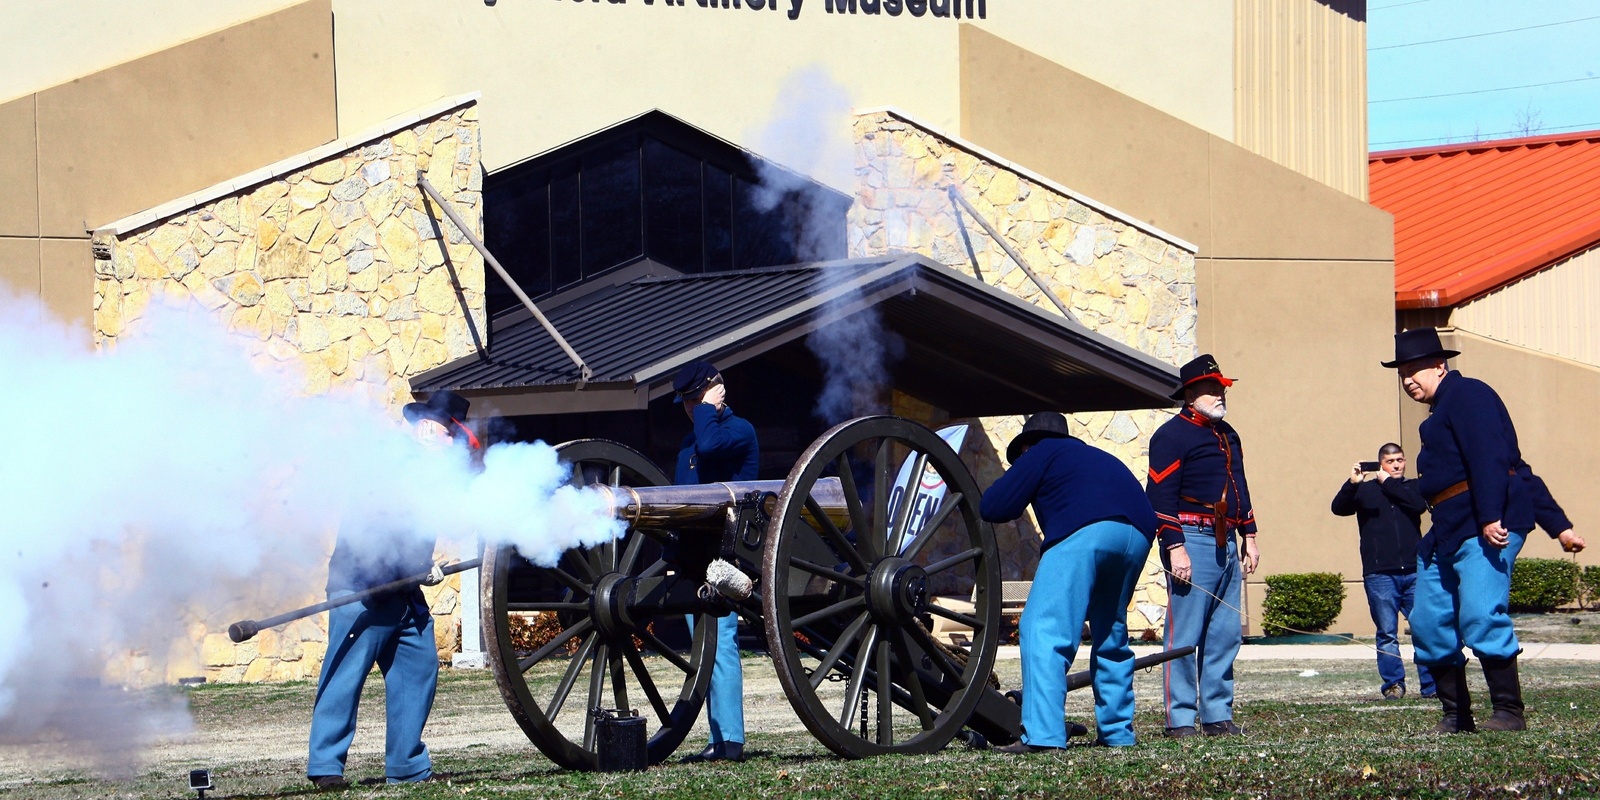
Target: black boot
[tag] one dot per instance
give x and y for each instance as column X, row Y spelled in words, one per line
column 1453, row 695
column 1505, row 692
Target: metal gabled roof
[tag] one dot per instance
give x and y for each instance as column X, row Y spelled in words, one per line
column 971, row 349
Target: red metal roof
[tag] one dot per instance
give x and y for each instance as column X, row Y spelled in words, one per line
column 1470, row 218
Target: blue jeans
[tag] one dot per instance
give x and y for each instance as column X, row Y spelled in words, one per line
column 396, row 635
column 1091, row 576
column 725, row 699
column 1388, row 596
column 1201, row 683
column 1463, row 600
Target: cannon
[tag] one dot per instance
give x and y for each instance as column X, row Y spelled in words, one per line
column 843, row 565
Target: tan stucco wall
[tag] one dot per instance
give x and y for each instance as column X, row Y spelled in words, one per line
column 336, row 270
column 1294, row 279
column 100, row 146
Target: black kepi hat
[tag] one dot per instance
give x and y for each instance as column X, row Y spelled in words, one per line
column 692, row 378
column 1417, row 344
column 1044, row 425
column 1200, row 369
column 444, row 407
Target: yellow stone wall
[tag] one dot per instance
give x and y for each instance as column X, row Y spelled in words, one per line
column 1119, row 280
column 337, row 268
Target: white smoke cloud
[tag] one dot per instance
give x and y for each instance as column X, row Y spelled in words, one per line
column 170, row 482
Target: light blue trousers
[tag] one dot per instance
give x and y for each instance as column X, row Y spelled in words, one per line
column 1090, row 576
column 1463, row 600
column 1202, row 682
column 725, row 700
column 395, row 635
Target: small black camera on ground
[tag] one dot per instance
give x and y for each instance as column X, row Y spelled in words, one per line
column 200, row 782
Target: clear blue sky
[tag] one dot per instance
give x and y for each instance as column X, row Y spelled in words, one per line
column 1565, row 49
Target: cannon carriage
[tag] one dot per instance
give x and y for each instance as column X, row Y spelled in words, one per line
column 841, row 575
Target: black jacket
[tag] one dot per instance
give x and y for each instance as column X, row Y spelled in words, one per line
column 1390, row 515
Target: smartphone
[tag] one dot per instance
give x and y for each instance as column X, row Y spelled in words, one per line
column 1369, row 466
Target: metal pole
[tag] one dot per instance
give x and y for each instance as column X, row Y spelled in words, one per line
column 584, row 372
column 955, row 206
column 1006, row 246
column 246, row 628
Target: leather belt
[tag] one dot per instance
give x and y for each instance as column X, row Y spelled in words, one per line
column 1219, row 518
column 1450, row 491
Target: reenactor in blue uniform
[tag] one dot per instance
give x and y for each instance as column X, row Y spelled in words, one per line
column 1097, row 527
column 1482, row 511
column 722, row 447
column 1197, row 487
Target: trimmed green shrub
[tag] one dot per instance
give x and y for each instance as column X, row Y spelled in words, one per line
column 1589, row 587
column 1543, row 584
column 1306, row 601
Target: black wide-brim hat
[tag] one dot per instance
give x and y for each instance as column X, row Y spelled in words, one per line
column 1418, row 344
column 444, row 407
column 1201, row 368
column 1044, row 425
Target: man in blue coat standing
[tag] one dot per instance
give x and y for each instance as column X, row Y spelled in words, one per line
column 1483, row 510
column 722, row 447
column 1097, row 526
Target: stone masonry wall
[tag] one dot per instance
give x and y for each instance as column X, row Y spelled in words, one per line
column 1119, row 280
column 337, row 268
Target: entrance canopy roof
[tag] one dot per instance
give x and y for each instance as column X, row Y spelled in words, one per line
column 969, row 348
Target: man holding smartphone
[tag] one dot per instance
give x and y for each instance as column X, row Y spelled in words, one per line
column 1388, row 510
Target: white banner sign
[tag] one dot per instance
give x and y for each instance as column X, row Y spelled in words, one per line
column 931, row 488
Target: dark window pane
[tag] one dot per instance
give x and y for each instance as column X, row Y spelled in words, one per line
column 719, row 219
column 672, row 206
column 612, row 226
column 516, row 227
column 762, row 237
column 564, row 216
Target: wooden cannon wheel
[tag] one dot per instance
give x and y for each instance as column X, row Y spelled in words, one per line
column 847, row 608
column 628, row 665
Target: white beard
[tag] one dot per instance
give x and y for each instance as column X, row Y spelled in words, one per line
column 1215, row 412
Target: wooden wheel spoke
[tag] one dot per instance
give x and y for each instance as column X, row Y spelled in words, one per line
column 543, row 653
column 902, row 514
column 566, row 579
column 569, row 678
column 956, row 616
column 654, row 570
column 836, row 538
column 936, row 654
column 858, row 674
column 825, row 572
column 879, row 540
column 859, row 601
column 852, row 502
column 597, row 682
column 547, row 606
column 885, row 685
column 956, row 560
column 649, row 686
column 837, row 650
column 919, row 698
column 664, row 651
column 616, row 476
column 931, row 527
column 630, row 553
column 619, row 677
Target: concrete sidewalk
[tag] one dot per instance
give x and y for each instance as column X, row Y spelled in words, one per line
column 1351, row 652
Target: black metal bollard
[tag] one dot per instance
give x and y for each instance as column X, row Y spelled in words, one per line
column 620, row 740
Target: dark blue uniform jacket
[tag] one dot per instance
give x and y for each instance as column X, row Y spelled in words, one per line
column 1070, row 484
column 1547, row 513
column 372, row 557
column 1195, row 462
column 1389, row 514
column 1469, row 437
column 722, row 447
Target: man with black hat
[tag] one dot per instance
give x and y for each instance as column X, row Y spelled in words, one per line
column 722, row 447
column 1097, row 527
column 1197, row 487
column 393, row 630
column 1482, row 512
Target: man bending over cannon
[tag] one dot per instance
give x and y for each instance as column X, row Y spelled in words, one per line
column 391, row 629
column 1098, row 526
column 722, row 447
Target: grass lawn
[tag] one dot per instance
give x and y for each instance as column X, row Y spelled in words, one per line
column 1311, row 735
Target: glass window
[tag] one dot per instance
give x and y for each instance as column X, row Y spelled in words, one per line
column 672, row 207
column 564, row 216
column 762, row 237
column 718, row 219
column 612, row 221
column 516, row 227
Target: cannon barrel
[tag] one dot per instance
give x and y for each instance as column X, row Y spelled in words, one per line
column 705, row 506
column 245, row 629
